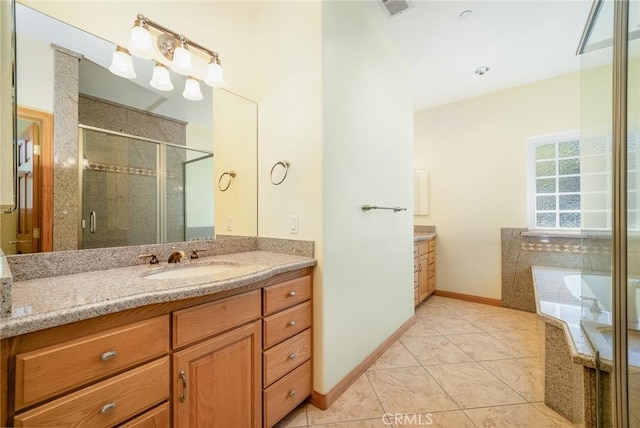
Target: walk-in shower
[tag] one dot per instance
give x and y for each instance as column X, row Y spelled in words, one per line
column 136, row 190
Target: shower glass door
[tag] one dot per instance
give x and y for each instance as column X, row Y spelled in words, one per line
column 120, row 204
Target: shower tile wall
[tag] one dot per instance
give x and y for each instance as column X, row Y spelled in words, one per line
column 520, row 252
column 121, row 182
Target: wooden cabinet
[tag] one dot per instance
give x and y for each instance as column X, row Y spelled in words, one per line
column 287, row 347
column 424, row 281
column 217, row 382
column 240, row 360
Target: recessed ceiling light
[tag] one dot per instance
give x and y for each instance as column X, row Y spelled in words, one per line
column 465, row 14
column 482, row 70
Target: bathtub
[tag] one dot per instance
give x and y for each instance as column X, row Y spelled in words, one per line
column 599, row 287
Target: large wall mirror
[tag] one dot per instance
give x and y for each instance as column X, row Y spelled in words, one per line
column 104, row 161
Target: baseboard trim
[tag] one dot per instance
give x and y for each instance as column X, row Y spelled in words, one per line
column 468, row 298
column 323, row 401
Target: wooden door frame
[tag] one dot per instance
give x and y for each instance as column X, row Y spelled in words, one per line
column 45, row 124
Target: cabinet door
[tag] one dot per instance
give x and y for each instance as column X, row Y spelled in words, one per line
column 217, row 383
column 423, row 277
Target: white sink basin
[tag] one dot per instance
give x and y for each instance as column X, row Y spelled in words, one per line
column 191, row 272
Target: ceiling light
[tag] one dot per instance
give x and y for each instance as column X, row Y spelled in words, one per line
column 121, row 64
column 161, row 79
column 140, row 41
column 214, row 76
column 192, row 90
column 482, row 70
column 465, row 14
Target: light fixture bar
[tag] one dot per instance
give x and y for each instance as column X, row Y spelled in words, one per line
column 164, row 29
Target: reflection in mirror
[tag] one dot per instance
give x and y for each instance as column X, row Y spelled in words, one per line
column 143, row 157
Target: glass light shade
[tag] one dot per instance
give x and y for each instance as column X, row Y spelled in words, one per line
column 141, row 43
column 192, row 90
column 161, row 79
column 214, row 76
column 122, row 65
column 182, row 61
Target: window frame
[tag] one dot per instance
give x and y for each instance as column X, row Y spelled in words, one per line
column 532, row 143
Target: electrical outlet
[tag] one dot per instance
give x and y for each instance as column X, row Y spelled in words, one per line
column 229, row 224
column 293, row 224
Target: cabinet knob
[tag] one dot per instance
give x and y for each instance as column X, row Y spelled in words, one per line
column 292, row 293
column 292, row 323
column 292, row 393
column 292, row 356
column 108, row 407
column 109, row 355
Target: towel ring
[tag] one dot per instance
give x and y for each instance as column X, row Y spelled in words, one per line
column 285, row 165
column 231, row 175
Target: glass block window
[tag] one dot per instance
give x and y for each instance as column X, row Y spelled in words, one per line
column 556, row 183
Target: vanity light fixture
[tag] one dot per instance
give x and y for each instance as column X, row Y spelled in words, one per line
column 174, row 51
column 192, row 90
column 122, row 64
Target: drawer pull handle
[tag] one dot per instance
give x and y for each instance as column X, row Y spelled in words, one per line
column 183, row 377
column 108, row 355
column 292, row 293
column 292, row 393
column 107, row 408
column 292, row 356
column 292, row 323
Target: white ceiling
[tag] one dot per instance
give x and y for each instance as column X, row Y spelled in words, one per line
column 521, row 41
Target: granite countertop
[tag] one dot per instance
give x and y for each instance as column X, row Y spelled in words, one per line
column 423, row 236
column 48, row 302
column 558, row 307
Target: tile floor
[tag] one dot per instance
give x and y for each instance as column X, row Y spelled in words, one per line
column 461, row 365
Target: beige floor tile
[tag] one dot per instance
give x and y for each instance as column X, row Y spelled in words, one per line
column 451, row 325
column 483, row 346
column 434, row 350
column 555, row 417
column 369, row 423
column 396, row 356
column 422, row 328
column 520, row 415
column 297, row 418
column 450, row 419
column 507, row 321
column 409, row 390
column 529, row 343
column 359, row 402
column 427, row 309
column 471, row 385
column 524, row 375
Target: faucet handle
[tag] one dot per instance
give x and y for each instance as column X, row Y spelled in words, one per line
column 194, row 254
column 154, row 258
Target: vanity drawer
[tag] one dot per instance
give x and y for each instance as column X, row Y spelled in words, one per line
column 158, row 417
column 287, row 323
column 208, row 319
column 106, row 403
column 283, row 358
column 284, row 395
column 432, row 245
column 286, row 294
column 57, row 368
column 415, row 265
column 416, row 296
column 415, row 250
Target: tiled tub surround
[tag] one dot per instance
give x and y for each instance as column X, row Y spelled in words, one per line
column 522, row 249
column 570, row 363
column 49, row 289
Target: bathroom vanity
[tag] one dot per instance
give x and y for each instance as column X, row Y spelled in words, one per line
column 226, row 350
column 424, row 267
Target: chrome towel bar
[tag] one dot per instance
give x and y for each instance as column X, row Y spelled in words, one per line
column 373, row 207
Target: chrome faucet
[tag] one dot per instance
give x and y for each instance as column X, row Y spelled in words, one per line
column 153, row 258
column 176, row 256
column 595, row 307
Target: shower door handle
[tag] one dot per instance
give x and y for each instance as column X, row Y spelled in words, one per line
column 92, row 222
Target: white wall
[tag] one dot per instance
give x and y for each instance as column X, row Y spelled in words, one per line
column 35, row 74
column 367, row 287
column 6, row 115
column 475, row 152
